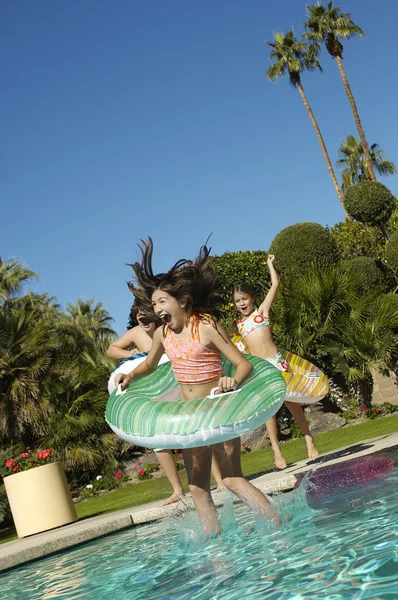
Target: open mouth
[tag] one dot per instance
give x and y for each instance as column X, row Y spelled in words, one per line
column 166, row 318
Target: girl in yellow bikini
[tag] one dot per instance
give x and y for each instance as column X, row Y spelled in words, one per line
column 256, row 331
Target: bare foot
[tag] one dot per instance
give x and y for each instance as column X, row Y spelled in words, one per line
column 173, row 498
column 280, row 462
column 312, row 451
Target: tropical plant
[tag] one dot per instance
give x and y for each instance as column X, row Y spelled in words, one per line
column 300, row 246
column 353, row 159
column 326, row 317
column 370, row 202
column 294, row 57
column 12, row 275
column 354, row 239
column 85, row 323
column 27, row 341
column 329, row 25
column 77, row 430
column 375, row 274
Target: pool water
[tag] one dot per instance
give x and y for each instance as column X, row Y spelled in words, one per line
column 348, row 549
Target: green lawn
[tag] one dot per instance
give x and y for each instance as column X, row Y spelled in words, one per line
column 253, row 463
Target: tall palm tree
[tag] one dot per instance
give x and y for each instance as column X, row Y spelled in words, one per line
column 329, row 25
column 352, row 157
column 12, row 275
column 294, row 57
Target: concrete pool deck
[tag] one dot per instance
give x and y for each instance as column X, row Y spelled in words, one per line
column 40, row 545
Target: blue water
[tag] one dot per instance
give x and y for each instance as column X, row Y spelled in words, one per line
column 348, row 549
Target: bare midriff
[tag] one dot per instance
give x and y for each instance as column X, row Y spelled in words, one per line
column 191, row 391
column 260, row 343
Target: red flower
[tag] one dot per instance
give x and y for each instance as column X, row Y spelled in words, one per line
column 141, row 473
column 365, row 409
column 27, row 448
column 118, row 475
column 43, row 454
column 10, row 462
column 15, row 468
column 244, row 444
column 24, row 455
column 181, row 455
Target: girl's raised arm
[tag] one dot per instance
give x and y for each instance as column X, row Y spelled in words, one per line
column 148, row 365
column 264, row 308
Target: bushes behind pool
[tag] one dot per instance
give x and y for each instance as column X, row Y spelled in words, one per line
column 300, row 246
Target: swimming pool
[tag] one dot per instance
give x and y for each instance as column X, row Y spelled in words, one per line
column 347, row 550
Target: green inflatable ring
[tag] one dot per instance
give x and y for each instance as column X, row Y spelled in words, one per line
column 140, row 417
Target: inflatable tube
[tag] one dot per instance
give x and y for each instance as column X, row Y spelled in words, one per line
column 128, row 365
column 145, row 416
column 305, row 383
column 346, row 476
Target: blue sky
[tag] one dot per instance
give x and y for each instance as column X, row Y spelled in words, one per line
column 127, row 119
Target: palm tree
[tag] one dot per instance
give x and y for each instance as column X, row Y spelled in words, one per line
column 27, row 342
column 86, row 322
column 12, row 276
column 352, row 157
column 77, row 430
column 294, row 57
column 329, row 25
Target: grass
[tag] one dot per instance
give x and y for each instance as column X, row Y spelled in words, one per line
column 253, row 463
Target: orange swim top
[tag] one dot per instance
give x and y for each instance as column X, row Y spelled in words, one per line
column 192, row 362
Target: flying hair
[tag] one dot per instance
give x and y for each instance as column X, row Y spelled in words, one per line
column 193, row 281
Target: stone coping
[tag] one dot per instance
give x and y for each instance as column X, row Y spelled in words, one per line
column 43, row 544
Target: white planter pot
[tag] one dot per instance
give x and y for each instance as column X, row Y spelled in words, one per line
column 40, row 499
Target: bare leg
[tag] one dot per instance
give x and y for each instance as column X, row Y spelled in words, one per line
column 198, row 466
column 299, row 416
column 280, row 462
column 228, row 456
column 168, row 465
column 215, row 469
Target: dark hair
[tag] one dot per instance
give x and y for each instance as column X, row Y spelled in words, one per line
column 244, row 288
column 146, row 309
column 192, row 281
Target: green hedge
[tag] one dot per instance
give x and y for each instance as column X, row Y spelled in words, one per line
column 391, row 253
column 370, row 202
column 373, row 273
column 354, row 239
column 299, row 246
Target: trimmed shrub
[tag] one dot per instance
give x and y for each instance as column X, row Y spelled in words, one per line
column 374, row 275
column 300, row 246
column 355, row 239
column 249, row 267
column 370, row 202
column 391, row 253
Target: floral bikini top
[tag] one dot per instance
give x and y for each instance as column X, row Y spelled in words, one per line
column 192, row 362
column 254, row 321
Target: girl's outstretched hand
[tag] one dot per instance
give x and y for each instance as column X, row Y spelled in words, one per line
column 270, row 259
